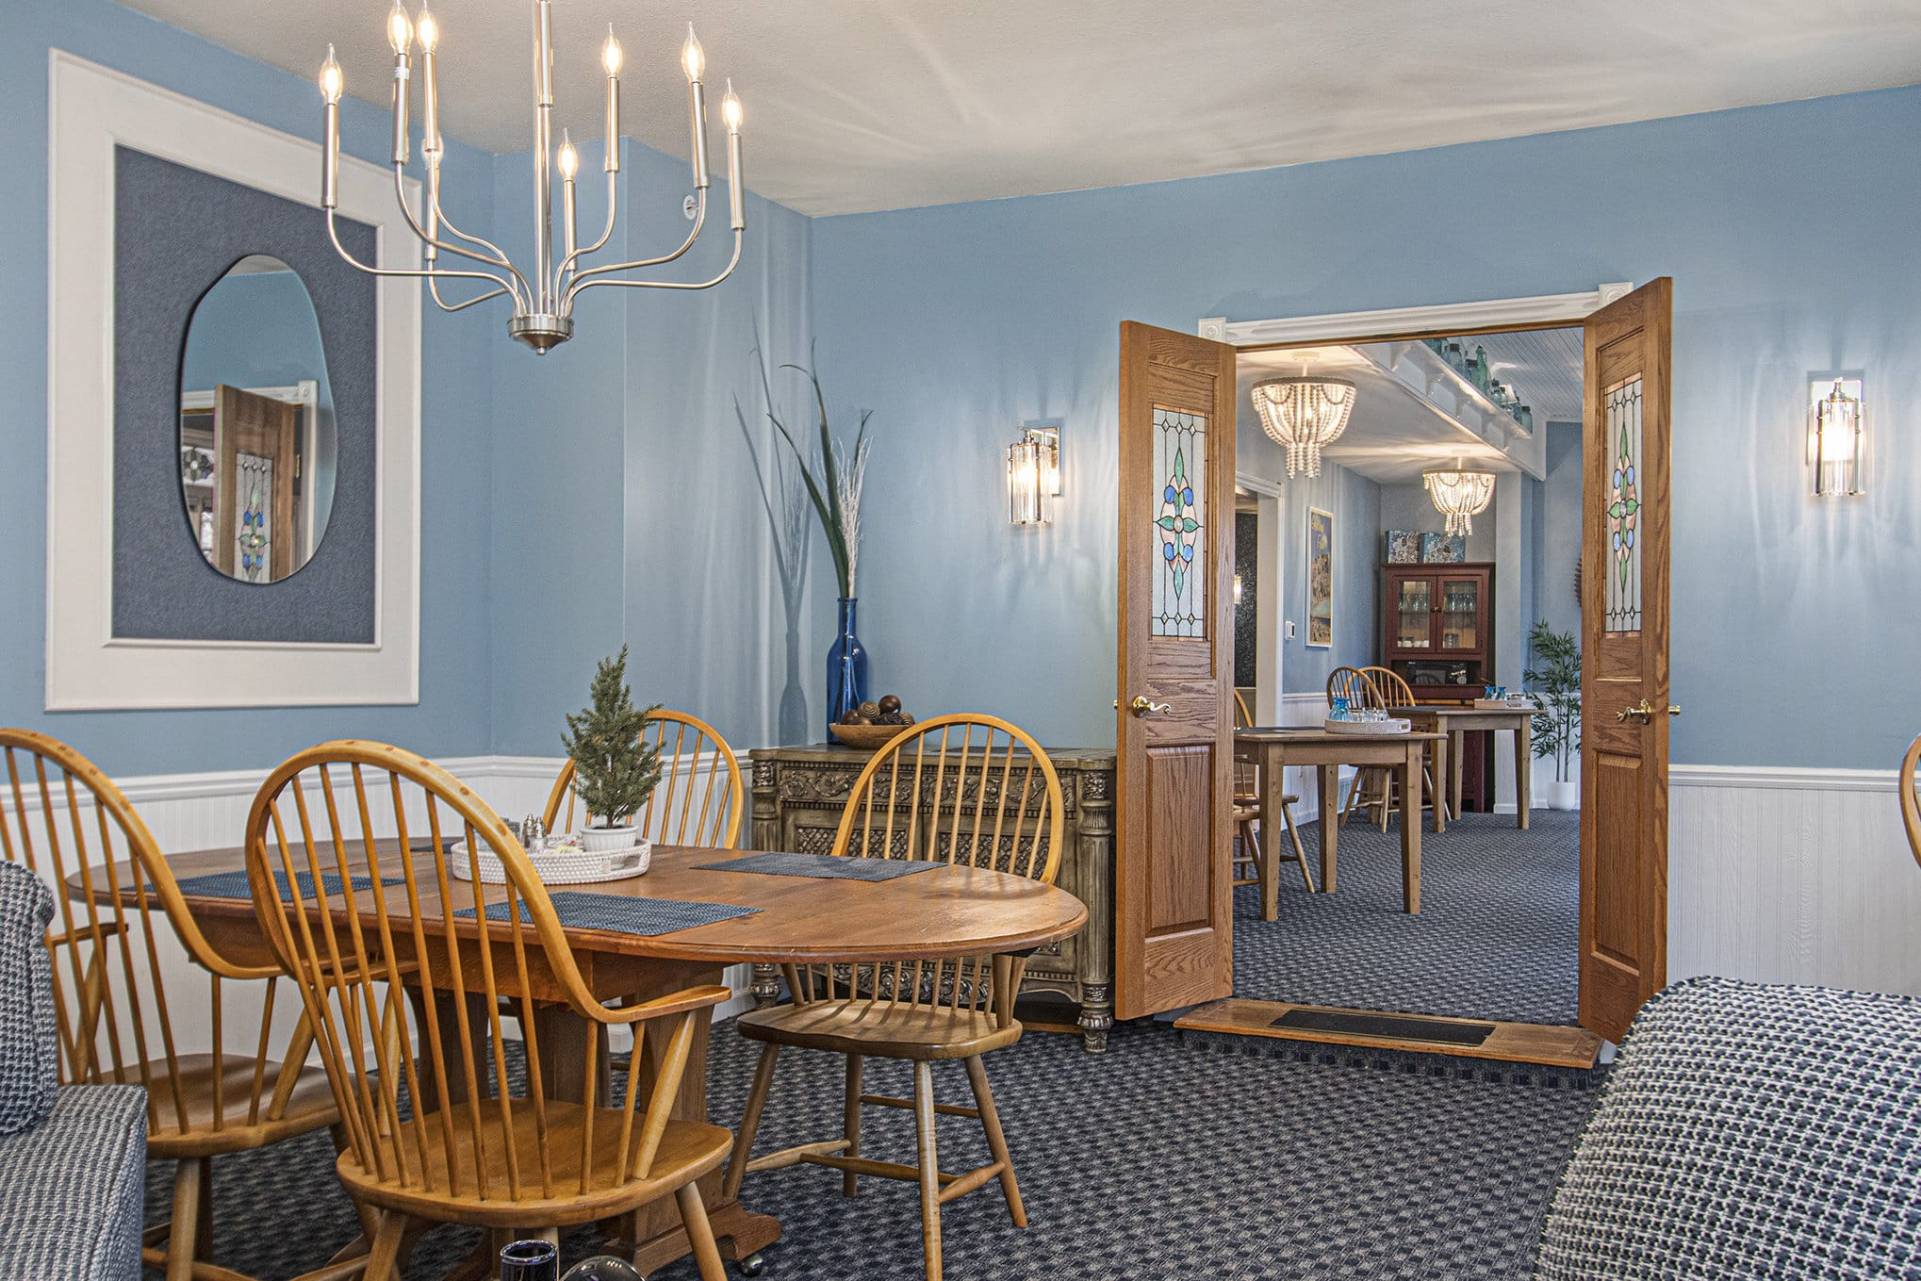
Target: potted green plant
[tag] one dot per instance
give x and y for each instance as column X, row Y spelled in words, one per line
column 1555, row 677
column 615, row 769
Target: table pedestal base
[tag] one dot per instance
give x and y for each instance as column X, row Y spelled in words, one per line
column 741, row 1233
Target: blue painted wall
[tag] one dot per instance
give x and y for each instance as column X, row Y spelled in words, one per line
column 626, row 505
column 958, row 323
column 453, row 716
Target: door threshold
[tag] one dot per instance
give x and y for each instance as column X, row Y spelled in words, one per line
column 1541, row 1044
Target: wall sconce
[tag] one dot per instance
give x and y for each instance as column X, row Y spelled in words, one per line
column 1033, row 476
column 1837, row 438
column 1237, row 589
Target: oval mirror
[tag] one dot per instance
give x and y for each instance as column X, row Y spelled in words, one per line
column 257, row 435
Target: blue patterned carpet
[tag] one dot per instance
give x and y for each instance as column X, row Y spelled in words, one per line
column 1497, row 936
column 1161, row 1159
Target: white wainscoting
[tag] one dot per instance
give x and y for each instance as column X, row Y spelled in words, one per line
column 1782, row 875
column 1792, row 876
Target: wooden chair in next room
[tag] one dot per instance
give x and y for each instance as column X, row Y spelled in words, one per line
column 1248, row 867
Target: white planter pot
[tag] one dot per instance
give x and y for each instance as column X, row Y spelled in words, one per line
column 1563, row 795
column 598, row 840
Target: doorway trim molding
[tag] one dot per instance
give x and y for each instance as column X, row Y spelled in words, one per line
column 1461, row 317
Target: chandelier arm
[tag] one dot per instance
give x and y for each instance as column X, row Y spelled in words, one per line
column 732, row 263
column 400, row 198
column 606, row 234
column 693, row 234
column 433, row 287
column 414, row 273
column 500, row 257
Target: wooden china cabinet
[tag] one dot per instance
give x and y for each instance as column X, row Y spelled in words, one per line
column 1437, row 628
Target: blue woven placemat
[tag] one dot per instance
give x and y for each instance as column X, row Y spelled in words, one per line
column 829, row 866
column 618, row 914
column 235, row 885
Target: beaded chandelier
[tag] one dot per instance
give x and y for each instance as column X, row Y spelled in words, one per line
column 1460, row 496
column 1304, row 415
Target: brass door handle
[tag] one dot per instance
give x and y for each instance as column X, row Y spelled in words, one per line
column 1140, row 706
column 1644, row 712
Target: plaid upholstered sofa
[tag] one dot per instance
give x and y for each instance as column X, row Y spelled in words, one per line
column 1749, row 1130
column 73, row 1160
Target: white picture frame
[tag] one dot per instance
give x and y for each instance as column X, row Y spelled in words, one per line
column 93, row 110
column 1321, row 570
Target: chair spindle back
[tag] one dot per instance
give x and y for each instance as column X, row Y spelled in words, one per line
column 964, row 788
column 1352, row 684
column 362, row 859
column 118, row 907
column 700, row 798
column 1393, row 687
column 1910, row 788
column 1247, row 777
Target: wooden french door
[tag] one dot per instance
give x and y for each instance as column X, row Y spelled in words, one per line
column 1624, row 672
column 1173, row 884
column 254, row 445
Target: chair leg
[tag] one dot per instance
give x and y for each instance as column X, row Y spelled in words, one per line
column 384, row 1259
column 1353, row 794
column 750, row 1121
column 996, row 1140
column 850, row 1127
column 1300, row 851
column 700, row 1233
column 187, row 1177
column 929, row 1167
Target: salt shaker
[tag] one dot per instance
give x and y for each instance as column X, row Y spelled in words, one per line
column 533, row 832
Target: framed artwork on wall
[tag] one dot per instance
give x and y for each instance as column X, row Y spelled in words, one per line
column 1443, row 549
column 1320, row 579
column 1403, row 546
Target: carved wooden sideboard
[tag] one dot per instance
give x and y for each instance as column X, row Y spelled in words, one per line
column 798, row 793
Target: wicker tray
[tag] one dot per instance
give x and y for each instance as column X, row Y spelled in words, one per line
column 1367, row 727
column 571, row 868
column 867, row 738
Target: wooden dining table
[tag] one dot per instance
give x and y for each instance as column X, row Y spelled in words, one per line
column 1274, row 748
column 951, row 911
column 1456, row 721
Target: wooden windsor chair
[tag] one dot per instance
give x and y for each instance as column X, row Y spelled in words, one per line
column 1248, row 811
column 1398, row 693
column 967, row 789
column 1369, row 789
column 687, row 808
column 440, row 1127
column 1910, row 788
column 120, row 913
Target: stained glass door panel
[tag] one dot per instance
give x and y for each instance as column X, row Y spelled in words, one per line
column 1413, row 614
column 1179, row 528
column 1624, row 498
column 1460, row 614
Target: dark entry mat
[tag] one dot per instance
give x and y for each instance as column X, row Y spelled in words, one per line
column 1394, row 1027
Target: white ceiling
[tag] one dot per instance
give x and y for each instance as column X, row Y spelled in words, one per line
column 1392, row 434
column 865, row 104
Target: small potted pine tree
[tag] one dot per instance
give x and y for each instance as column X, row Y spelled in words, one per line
column 615, row 769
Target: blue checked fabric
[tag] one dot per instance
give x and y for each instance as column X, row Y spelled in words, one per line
column 829, row 866
column 617, row 914
column 29, row 1036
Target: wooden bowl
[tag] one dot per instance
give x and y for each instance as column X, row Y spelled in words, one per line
column 868, row 738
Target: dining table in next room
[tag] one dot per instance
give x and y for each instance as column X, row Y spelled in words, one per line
column 1274, row 748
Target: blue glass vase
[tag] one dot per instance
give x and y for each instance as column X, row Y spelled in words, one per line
column 846, row 666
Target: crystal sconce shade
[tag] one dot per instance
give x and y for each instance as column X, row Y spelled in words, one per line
column 1033, row 476
column 1837, row 438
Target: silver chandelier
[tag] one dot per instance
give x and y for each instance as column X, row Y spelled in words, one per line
column 543, row 300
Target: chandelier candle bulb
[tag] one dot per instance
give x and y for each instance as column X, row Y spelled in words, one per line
column 332, row 85
column 427, row 32
column 730, row 111
column 542, row 294
column 569, row 166
column 611, row 58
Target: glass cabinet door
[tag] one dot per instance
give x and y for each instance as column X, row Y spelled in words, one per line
column 1460, row 628
column 1413, row 614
